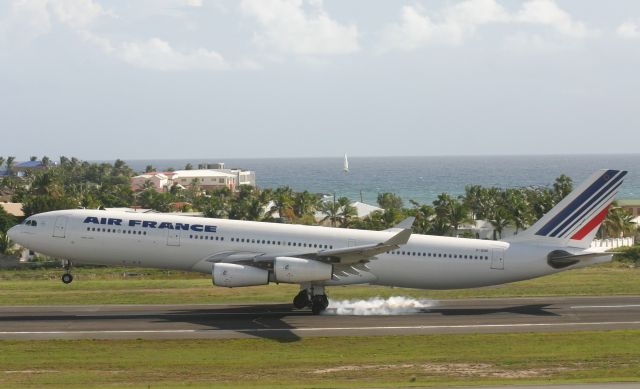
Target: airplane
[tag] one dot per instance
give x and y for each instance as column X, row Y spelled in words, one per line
column 245, row 253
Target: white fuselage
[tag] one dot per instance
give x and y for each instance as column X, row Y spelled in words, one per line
column 189, row 243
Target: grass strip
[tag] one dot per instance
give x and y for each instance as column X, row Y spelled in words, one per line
column 383, row 361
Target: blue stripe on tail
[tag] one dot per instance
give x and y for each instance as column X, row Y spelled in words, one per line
column 577, row 202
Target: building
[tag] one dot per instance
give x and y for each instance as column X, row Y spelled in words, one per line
column 158, row 181
column 14, row 209
column 216, row 176
column 206, row 179
column 631, row 205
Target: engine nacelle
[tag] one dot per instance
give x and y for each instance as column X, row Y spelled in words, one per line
column 297, row 270
column 232, row 275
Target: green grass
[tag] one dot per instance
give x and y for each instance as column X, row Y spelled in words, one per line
column 112, row 286
column 461, row 359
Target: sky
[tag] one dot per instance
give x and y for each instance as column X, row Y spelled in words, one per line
column 147, row 79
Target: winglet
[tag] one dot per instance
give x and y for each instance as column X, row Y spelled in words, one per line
column 400, row 238
column 403, row 225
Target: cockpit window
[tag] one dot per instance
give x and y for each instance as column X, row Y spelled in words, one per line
column 31, row 223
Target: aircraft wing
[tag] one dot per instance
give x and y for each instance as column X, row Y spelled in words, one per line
column 341, row 256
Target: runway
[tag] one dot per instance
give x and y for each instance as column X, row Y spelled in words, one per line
column 541, row 314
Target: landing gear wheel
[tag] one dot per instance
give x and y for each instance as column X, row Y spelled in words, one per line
column 319, row 303
column 301, row 300
column 67, row 278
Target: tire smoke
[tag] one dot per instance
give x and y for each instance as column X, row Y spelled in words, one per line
column 395, row 305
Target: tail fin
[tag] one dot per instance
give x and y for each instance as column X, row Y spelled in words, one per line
column 574, row 221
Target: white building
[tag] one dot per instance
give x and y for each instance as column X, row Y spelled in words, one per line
column 206, row 178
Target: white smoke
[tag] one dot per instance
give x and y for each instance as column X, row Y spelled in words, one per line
column 395, row 305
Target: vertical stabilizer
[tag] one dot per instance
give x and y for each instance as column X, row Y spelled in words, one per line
column 574, row 221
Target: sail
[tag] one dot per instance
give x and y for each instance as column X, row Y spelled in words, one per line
column 346, row 164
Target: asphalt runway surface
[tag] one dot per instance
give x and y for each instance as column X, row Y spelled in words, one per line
column 280, row 321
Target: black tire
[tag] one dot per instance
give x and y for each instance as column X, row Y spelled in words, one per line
column 67, row 278
column 319, row 303
column 301, row 300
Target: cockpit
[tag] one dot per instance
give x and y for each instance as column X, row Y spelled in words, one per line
column 30, row 222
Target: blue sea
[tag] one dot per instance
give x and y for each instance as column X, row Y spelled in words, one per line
column 418, row 178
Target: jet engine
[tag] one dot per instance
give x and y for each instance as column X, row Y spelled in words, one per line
column 232, row 275
column 296, row 270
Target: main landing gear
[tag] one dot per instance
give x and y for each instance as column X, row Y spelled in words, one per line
column 313, row 297
column 67, row 277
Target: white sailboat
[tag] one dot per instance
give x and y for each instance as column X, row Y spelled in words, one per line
column 346, row 164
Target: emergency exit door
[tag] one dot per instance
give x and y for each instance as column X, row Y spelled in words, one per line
column 497, row 259
column 60, row 228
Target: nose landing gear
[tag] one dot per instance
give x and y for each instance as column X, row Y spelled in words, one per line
column 67, row 277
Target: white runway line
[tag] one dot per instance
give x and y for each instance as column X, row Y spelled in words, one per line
column 311, row 329
column 605, row 306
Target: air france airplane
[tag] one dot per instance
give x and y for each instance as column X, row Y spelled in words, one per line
column 245, row 253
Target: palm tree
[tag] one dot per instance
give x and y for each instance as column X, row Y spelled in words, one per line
column 1, row 161
column 424, row 217
column 305, row 203
column 282, row 202
column 332, row 211
column 347, row 212
column 458, row 214
column 562, row 187
column 46, row 161
column 10, row 163
column 618, row 222
column 514, row 201
column 499, row 220
column 389, row 201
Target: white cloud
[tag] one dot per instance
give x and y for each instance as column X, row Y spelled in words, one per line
column 34, row 18
column 290, row 27
column 157, row 54
column 78, row 14
column 546, row 12
column 629, row 30
column 193, row 3
column 454, row 24
column 26, row 20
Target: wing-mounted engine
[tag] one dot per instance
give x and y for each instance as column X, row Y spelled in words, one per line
column 235, row 275
column 297, row 270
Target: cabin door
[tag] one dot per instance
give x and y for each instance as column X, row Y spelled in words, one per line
column 497, row 259
column 173, row 238
column 60, row 228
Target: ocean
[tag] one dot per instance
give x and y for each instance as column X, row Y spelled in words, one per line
column 417, row 178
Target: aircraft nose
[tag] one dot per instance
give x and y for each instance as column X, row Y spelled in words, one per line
column 12, row 233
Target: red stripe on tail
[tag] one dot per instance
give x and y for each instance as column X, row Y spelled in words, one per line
column 593, row 223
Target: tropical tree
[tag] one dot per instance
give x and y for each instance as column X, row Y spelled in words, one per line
column 9, row 164
column 1, row 161
column 46, row 161
column 149, row 169
column 499, row 220
column 331, row 210
column 389, row 201
column 562, row 187
column 5, row 243
column 283, row 202
column 304, row 206
column 424, row 215
column 347, row 212
column 515, row 203
column 618, row 223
